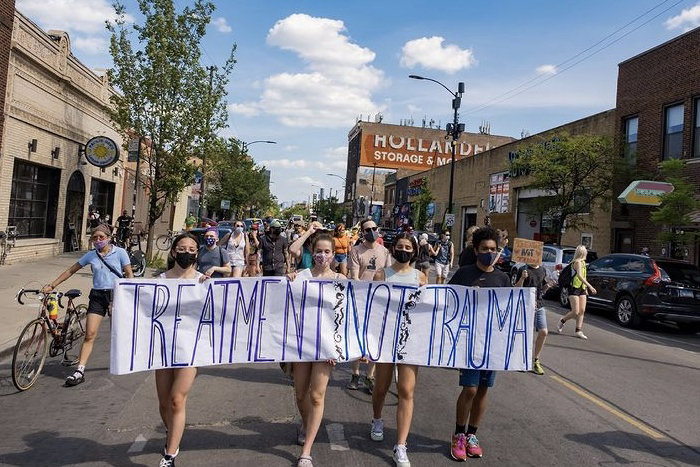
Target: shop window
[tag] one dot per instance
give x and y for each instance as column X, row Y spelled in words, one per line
column 631, row 127
column 102, row 196
column 33, row 200
column 696, row 130
column 673, row 132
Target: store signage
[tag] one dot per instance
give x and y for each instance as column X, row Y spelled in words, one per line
column 402, row 152
column 415, row 188
column 101, row 151
column 499, row 192
column 225, row 204
column 134, row 147
column 527, row 251
column 449, row 220
column 645, row 192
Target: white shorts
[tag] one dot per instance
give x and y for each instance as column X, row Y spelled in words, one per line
column 442, row 270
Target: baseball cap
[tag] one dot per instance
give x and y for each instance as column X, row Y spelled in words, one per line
column 275, row 224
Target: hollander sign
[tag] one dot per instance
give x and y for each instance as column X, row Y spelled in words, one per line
column 402, row 152
column 169, row 323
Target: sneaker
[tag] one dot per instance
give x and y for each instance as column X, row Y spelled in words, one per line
column 560, row 327
column 301, row 436
column 369, row 383
column 537, row 368
column 305, row 461
column 376, row 432
column 354, row 382
column 400, row 456
column 473, row 448
column 581, row 335
column 76, row 378
column 459, row 447
column 167, row 461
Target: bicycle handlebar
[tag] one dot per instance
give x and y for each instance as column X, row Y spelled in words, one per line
column 22, row 292
column 60, row 303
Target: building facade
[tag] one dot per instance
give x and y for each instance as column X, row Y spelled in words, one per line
column 658, row 105
column 53, row 106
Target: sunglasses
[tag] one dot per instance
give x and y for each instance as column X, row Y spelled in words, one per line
column 370, row 229
column 238, row 225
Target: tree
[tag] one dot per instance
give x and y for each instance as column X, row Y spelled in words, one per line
column 576, row 171
column 165, row 95
column 675, row 209
column 421, row 206
column 296, row 210
column 330, row 210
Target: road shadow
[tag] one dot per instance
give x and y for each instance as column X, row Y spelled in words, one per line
column 248, row 374
column 615, row 443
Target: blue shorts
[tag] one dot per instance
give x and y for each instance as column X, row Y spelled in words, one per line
column 540, row 319
column 341, row 258
column 474, row 378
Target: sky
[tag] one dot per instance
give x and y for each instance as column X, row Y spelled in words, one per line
column 307, row 70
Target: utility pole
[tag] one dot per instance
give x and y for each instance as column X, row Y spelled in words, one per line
column 206, row 142
column 136, row 180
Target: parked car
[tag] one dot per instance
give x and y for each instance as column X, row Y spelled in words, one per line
column 228, row 224
column 200, row 231
column 638, row 288
column 554, row 259
column 250, row 221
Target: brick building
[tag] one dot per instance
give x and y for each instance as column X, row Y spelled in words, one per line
column 658, row 108
column 7, row 19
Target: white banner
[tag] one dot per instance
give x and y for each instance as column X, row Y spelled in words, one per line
column 169, row 323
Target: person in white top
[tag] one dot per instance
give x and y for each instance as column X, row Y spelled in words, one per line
column 174, row 384
column 237, row 246
column 404, row 252
column 311, row 378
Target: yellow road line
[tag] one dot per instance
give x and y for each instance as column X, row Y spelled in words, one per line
column 604, row 405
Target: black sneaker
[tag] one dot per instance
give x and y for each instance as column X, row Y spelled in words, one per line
column 369, row 384
column 167, row 461
column 354, row 382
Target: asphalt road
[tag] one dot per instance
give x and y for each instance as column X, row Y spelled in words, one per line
column 624, row 397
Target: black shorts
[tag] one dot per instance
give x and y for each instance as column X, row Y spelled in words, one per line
column 577, row 291
column 99, row 301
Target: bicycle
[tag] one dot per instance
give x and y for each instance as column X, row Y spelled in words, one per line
column 32, row 345
column 137, row 257
column 165, row 241
column 7, row 242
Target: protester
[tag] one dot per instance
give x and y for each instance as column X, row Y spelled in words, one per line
column 578, row 292
column 471, row 403
column 173, row 384
column 301, row 250
column 467, row 255
column 365, row 260
column 124, row 226
column 212, row 260
column 190, row 222
column 423, row 256
column 342, row 248
column 444, row 257
column 311, row 378
column 253, row 253
column 535, row 276
column 404, row 252
column 236, row 247
column 107, row 262
column 275, row 258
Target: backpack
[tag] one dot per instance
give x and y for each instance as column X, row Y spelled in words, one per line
column 565, row 276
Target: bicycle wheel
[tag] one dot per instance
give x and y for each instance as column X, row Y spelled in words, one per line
column 29, row 355
column 163, row 242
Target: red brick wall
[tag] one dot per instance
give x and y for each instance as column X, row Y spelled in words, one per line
column 7, row 16
column 665, row 75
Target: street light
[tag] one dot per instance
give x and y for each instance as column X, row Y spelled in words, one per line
column 244, row 145
column 454, row 129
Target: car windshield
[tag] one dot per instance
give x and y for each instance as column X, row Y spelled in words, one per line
column 679, row 272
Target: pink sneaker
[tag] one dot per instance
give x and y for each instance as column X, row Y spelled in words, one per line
column 459, row 447
column 473, row 448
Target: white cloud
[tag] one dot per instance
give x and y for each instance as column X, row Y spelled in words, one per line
column 429, row 53
column 222, row 25
column 90, row 45
column 308, row 180
column 547, row 70
column 249, row 109
column 340, row 152
column 336, row 85
column 285, row 163
column 290, row 147
column 413, row 109
column 83, row 16
column 687, row 19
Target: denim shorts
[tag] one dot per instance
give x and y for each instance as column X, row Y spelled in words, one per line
column 474, row 378
column 341, row 258
column 540, row 319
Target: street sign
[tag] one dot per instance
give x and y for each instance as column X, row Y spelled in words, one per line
column 225, row 204
column 645, row 192
column 527, row 251
column 134, row 146
column 101, row 151
column 449, row 220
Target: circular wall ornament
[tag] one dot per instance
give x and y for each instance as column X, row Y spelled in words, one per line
column 101, row 151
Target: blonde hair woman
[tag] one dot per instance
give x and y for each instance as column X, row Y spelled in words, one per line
column 578, row 291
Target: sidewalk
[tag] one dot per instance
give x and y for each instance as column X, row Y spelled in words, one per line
column 33, row 275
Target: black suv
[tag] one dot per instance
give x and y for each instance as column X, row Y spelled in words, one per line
column 638, row 288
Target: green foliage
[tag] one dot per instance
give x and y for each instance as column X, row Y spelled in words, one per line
column 164, row 94
column 330, row 210
column 421, row 206
column 676, row 207
column 157, row 262
column 233, row 175
column 579, row 171
column 296, row 210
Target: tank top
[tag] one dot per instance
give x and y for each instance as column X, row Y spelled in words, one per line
column 576, row 282
column 236, row 249
column 410, row 277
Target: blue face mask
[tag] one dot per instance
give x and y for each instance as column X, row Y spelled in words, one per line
column 210, row 241
column 239, row 229
column 486, row 259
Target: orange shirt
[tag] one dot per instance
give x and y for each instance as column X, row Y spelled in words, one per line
column 342, row 245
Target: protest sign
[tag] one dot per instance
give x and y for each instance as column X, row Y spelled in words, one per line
column 527, row 251
column 170, row 323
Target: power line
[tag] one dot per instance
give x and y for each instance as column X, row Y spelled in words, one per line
column 540, row 79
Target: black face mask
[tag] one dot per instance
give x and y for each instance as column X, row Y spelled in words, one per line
column 185, row 260
column 402, row 256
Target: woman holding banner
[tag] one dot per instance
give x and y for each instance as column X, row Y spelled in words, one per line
column 174, row 384
column 311, row 378
column 404, row 252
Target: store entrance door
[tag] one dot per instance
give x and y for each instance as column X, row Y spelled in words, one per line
column 73, row 219
column 624, row 241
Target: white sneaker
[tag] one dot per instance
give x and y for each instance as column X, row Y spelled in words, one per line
column 376, row 432
column 560, row 327
column 581, row 335
column 401, row 456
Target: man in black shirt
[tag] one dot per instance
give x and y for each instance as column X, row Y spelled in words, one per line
column 471, row 403
column 275, row 259
column 124, row 226
column 534, row 276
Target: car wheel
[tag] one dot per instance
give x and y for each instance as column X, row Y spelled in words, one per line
column 626, row 312
column 564, row 297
